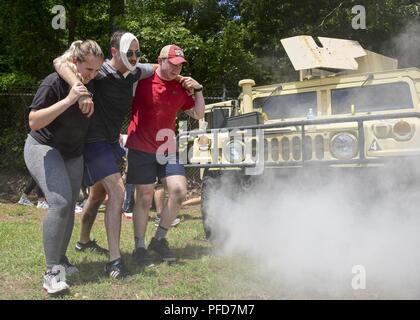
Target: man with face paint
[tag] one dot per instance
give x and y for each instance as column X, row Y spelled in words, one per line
column 112, row 100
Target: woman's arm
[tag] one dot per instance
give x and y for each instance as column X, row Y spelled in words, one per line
column 40, row 118
column 64, row 69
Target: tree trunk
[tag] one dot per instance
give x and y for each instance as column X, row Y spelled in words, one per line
column 116, row 8
column 73, row 17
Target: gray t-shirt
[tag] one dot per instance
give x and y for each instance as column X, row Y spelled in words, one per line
column 112, row 98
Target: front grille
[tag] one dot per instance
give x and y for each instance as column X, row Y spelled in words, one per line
column 275, row 152
column 296, row 148
column 290, row 148
column 285, row 149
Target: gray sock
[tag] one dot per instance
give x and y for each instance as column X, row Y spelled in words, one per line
column 160, row 233
column 139, row 241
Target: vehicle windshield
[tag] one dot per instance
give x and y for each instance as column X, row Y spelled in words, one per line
column 390, row 96
column 287, row 105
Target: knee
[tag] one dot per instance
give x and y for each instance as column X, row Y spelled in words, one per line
column 60, row 204
column 96, row 197
column 117, row 194
column 178, row 194
column 144, row 198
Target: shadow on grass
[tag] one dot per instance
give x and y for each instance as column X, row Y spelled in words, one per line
column 93, row 271
column 187, row 216
column 191, row 252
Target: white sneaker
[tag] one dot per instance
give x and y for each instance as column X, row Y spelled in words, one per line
column 78, row 209
column 42, row 204
column 55, row 280
column 128, row 215
column 25, row 201
column 173, row 224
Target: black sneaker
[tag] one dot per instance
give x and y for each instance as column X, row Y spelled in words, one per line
column 91, row 246
column 161, row 247
column 142, row 257
column 116, row 269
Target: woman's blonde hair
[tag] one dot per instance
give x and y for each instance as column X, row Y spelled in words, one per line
column 80, row 50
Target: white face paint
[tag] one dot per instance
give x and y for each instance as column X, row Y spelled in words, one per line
column 125, row 44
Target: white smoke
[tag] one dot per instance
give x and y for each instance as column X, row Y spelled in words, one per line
column 303, row 233
column 406, row 46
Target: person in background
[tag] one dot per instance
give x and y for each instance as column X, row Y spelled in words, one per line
column 29, row 187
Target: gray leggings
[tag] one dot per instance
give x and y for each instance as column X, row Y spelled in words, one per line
column 60, row 180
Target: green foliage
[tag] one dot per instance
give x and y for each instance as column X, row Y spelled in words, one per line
column 224, row 41
column 10, row 81
column 11, row 148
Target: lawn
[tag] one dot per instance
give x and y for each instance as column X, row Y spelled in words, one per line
column 199, row 273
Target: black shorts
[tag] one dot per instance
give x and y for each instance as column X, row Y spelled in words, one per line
column 102, row 159
column 146, row 168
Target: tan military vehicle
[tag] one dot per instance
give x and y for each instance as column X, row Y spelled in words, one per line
column 350, row 108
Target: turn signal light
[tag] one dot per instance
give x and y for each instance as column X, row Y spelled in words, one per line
column 402, row 130
column 204, row 143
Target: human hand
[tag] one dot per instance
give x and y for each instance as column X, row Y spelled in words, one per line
column 76, row 92
column 191, row 84
column 86, row 105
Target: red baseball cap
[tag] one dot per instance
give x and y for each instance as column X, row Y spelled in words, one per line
column 173, row 53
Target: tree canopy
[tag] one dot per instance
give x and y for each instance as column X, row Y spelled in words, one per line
column 224, row 40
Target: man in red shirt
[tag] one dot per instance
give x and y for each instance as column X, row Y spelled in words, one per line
column 153, row 118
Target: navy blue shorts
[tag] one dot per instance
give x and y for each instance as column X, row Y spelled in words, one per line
column 101, row 160
column 144, row 168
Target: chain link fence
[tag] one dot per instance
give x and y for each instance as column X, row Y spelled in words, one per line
column 14, row 126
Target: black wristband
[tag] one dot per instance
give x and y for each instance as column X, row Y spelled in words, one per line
column 198, row 90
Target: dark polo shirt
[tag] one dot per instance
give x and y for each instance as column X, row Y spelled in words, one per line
column 113, row 97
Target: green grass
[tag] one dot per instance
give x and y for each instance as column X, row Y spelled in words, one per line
column 198, row 273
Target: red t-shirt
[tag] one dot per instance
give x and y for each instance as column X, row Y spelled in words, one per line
column 155, row 107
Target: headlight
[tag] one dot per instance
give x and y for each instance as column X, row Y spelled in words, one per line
column 234, row 151
column 344, row 146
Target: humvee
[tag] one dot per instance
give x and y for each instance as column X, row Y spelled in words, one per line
column 351, row 108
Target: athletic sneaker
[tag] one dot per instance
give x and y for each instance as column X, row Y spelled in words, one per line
column 173, row 224
column 42, row 204
column 78, row 209
column 116, row 269
column 91, row 246
column 70, row 268
column 128, row 215
column 142, row 257
column 161, row 248
column 55, row 281
column 25, row 201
